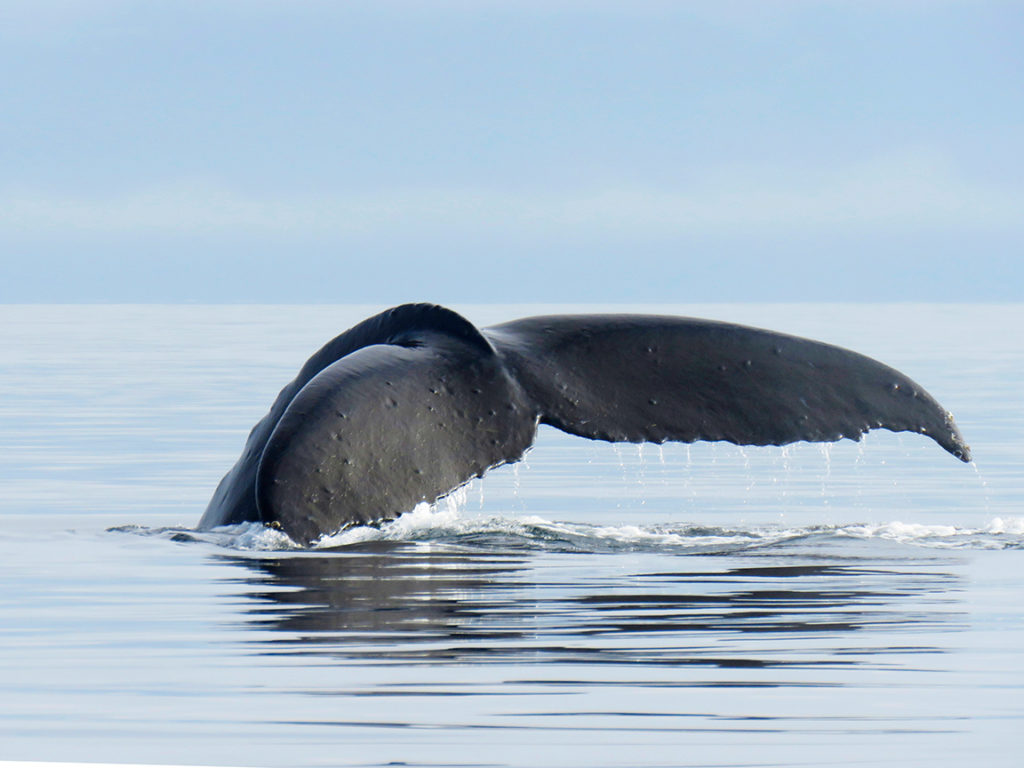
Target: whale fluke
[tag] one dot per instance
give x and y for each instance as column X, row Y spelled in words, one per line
column 416, row 401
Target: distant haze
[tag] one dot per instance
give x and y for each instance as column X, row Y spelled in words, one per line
column 502, row 151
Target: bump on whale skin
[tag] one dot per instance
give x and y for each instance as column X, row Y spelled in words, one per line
column 414, row 402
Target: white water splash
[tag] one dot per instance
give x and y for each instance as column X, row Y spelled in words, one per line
column 443, row 522
column 899, row 531
column 999, row 533
column 424, row 521
column 250, row 537
column 1013, row 526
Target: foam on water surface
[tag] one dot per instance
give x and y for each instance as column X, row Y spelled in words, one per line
column 444, row 522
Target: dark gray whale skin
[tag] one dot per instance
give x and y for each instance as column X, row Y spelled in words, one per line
column 412, row 403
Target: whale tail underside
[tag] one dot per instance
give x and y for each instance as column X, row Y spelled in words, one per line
column 412, row 403
column 637, row 378
column 389, row 335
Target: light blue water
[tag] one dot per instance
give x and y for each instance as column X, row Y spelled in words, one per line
column 597, row 605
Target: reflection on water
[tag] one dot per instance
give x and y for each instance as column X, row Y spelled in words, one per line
column 376, row 589
column 746, row 657
column 404, row 603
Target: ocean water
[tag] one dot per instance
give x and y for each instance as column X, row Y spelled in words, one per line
column 596, row 605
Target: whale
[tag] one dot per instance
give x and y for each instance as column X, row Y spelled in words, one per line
column 413, row 403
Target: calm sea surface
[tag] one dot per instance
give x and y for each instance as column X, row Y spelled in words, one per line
column 596, row 605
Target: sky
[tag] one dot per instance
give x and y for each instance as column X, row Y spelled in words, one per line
column 511, row 151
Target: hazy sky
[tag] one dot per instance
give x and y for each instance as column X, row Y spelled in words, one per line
column 514, row 151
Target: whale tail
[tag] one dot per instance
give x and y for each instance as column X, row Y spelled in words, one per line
column 412, row 403
column 405, row 327
column 637, row 378
column 402, row 408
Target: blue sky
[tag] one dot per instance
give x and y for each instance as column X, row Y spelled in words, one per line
column 230, row 151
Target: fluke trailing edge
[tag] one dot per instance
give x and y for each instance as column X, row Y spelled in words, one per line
column 416, row 401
